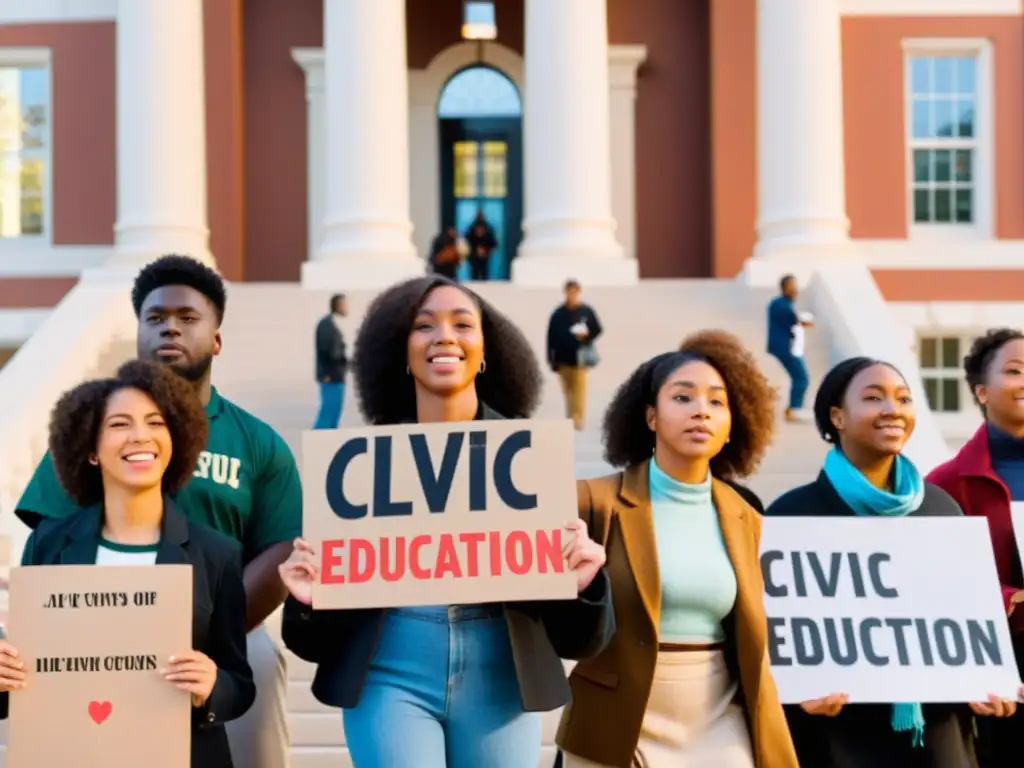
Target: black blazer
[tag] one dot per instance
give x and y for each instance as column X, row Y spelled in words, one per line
column 861, row 735
column 218, row 610
column 342, row 643
column 331, row 358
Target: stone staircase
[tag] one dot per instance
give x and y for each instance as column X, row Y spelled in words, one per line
column 267, row 366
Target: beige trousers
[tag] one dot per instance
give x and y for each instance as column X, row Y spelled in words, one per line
column 259, row 738
column 692, row 718
column 574, row 387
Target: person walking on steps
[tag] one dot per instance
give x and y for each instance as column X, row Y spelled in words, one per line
column 786, row 344
column 245, row 484
column 331, row 364
column 572, row 331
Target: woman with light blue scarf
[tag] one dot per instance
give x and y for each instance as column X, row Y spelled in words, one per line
column 865, row 410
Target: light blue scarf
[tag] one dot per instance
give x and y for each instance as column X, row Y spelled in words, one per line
column 866, row 499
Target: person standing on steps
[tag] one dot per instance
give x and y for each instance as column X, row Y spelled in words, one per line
column 246, row 483
column 124, row 516
column 572, row 331
column 786, row 330
column 986, row 477
column 482, row 242
column 686, row 679
column 331, row 364
column 447, row 252
column 446, row 686
column 865, row 411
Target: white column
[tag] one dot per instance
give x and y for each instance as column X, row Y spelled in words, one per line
column 801, row 193
column 366, row 230
column 161, row 132
column 569, row 228
column 624, row 60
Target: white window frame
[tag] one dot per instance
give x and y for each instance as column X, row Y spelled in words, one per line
column 19, row 57
column 983, row 145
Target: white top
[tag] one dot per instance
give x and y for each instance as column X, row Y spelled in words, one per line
column 112, row 553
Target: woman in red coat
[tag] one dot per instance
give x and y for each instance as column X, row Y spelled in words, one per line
column 985, row 477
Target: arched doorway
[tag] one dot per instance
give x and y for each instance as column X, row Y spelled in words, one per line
column 480, row 116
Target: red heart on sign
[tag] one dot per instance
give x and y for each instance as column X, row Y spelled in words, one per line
column 100, row 710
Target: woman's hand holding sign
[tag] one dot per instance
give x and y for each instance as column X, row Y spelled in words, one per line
column 299, row 572
column 12, row 669
column 194, row 672
column 996, row 706
column 584, row 556
column 830, row 706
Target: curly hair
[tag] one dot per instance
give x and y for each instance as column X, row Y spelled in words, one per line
column 511, row 384
column 76, row 420
column 983, row 350
column 628, row 440
column 180, row 270
column 832, row 391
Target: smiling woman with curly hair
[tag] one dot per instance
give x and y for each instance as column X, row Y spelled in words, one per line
column 121, row 446
column 431, row 350
column 682, row 554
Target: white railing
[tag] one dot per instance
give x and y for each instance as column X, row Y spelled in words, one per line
column 88, row 334
column 858, row 321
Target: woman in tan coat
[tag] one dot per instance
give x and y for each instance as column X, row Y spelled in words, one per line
column 685, row 682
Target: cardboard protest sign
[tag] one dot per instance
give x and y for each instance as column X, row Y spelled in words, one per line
column 93, row 639
column 886, row 610
column 428, row 514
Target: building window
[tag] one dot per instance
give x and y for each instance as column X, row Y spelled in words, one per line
column 25, row 116
column 940, row 359
column 947, row 145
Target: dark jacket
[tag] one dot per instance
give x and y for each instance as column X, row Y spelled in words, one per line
column 480, row 245
column 969, row 478
column 563, row 345
column 331, row 359
column 861, row 736
column 610, row 692
column 218, row 610
column 342, row 642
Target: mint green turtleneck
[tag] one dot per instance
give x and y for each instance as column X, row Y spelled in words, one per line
column 698, row 584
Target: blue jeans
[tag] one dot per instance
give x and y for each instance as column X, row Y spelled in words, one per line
column 442, row 692
column 799, row 380
column 332, row 397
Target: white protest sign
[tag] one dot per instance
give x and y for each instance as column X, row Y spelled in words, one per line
column 429, row 514
column 885, row 610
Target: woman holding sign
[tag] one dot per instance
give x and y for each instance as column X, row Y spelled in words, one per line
column 864, row 409
column 119, row 446
column 446, row 686
column 685, row 682
column 986, row 478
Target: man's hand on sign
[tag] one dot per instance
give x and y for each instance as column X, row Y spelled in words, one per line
column 584, row 556
column 830, row 706
column 12, row 669
column 298, row 572
column 995, row 706
column 194, row 672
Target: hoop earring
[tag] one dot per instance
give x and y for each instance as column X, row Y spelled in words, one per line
column 483, row 365
column 407, row 371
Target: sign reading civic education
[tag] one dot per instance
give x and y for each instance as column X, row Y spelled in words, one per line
column 885, row 610
column 93, row 640
column 437, row 514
